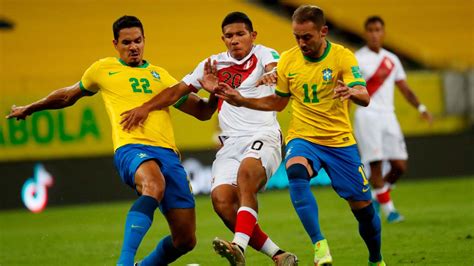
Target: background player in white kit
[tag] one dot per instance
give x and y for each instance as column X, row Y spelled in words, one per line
column 251, row 139
column 376, row 127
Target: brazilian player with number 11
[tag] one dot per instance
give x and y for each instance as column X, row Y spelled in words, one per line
column 320, row 134
column 146, row 158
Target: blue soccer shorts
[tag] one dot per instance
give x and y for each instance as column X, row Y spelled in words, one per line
column 342, row 164
column 178, row 193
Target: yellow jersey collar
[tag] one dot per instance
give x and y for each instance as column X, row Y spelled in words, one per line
column 144, row 65
column 321, row 58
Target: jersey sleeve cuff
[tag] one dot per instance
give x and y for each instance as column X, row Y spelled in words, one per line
column 181, row 101
column 356, row 83
column 81, row 86
column 282, row 94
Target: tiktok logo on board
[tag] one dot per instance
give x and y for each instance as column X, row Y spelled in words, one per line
column 35, row 190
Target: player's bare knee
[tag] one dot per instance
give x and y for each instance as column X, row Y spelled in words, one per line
column 399, row 169
column 185, row 243
column 153, row 189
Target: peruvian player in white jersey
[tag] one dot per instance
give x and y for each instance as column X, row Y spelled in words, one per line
column 251, row 139
column 377, row 130
column 243, row 76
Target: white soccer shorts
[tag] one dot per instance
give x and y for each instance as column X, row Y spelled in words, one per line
column 265, row 146
column 379, row 136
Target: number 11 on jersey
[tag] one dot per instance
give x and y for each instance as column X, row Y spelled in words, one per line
column 314, row 93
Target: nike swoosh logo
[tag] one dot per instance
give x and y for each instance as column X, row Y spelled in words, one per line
column 297, row 201
column 136, row 226
column 292, row 74
column 113, row 73
column 365, row 189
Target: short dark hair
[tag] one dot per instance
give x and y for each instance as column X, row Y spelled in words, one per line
column 126, row 22
column 237, row 17
column 373, row 19
column 309, row 13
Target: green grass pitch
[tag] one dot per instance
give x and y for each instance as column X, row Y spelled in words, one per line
column 438, row 230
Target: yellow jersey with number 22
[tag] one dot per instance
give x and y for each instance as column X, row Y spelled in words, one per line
column 123, row 88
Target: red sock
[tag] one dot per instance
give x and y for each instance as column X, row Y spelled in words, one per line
column 246, row 221
column 258, row 238
column 383, row 197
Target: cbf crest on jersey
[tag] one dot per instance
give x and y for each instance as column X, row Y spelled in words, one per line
column 155, row 74
column 327, row 76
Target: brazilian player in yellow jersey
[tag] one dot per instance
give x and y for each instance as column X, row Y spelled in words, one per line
column 124, row 87
column 320, row 77
column 146, row 158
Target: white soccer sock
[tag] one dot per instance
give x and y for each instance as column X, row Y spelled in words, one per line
column 387, row 208
column 269, row 248
column 241, row 239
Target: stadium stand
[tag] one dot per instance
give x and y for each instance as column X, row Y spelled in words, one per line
column 437, row 33
column 53, row 42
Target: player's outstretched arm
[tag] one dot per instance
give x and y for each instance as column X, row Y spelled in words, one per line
column 137, row 116
column 413, row 100
column 269, row 103
column 58, row 99
column 199, row 107
column 358, row 94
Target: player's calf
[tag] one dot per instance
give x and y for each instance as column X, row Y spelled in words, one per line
column 225, row 204
column 370, row 230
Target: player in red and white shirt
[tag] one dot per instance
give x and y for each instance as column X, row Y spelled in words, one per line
column 251, row 139
column 376, row 127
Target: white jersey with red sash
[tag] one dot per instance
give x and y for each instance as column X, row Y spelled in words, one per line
column 245, row 132
column 243, row 76
column 380, row 70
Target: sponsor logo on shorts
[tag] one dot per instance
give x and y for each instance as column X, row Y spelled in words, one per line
column 142, row 155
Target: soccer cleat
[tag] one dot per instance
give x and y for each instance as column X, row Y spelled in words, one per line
column 285, row 259
column 230, row 251
column 395, row 217
column 322, row 256
column 380, row 263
